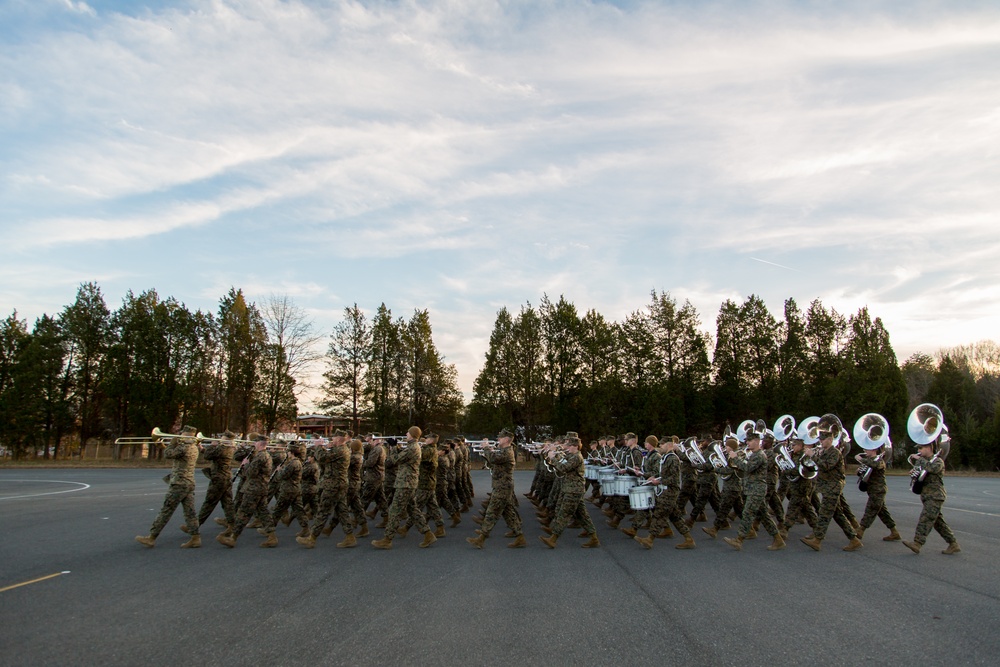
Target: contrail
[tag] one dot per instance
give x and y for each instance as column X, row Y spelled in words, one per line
column 780, row 266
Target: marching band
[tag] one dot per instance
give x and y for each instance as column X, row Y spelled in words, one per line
column 751, row 478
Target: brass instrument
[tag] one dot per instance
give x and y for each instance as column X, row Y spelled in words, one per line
column 871, row 432
column 692, row 451
column 784, row 428
column 926, row 426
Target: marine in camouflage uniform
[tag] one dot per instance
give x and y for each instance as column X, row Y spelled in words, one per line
column 335, row 462
column 426, row 496
column 772, row 500
column 501, row 504
column 406, row 460
column 354, row 484
column 666, row 510
column 571, row 505
column 373, row 477
column 731, row 498
column 650, row 468
column 630, row 460
column 253, row 500
column 932, row 495
column 220, row 476
column 830, row 487
column 706, row 484
column 800, row 493
column 755, row 469
column 289, row 497
column 183, row 452
column 877, row 489
column 446, row 483
column 389, row 483
column 310, row 482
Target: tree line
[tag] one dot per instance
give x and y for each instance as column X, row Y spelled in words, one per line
column 90, row 373
column 550, row 369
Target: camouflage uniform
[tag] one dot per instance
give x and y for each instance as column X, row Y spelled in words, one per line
column 445, row 481
column 667, row 510
column 830, row 487
column 630, row 457
column 335, row 461
column 650, row 468
column 731, row 498
column 877, row 490
column 571, row 505
column 689, row 483
column 253, row 500
column 373, row 477
column 706, row 490
column 772, row 500
column 310, row 478
column 501, row 462
column 184, row 453
column 754, row 467
column 933, row 496
column 354, row 484
column 800, row 493
column 426, row 496
column 406, row 462
column 389, row 482
column 220, row 485
column 289, row 480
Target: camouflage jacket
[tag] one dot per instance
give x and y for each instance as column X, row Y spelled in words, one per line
column 670, row 474
column 831, row 465
column 373, row 469
column 354, row 472
column 335, row 461
column 257, row 472
column 407, row 464
column 570, row 466
column 934, row 481
column 501, row 463
column 221, row 456
column 289, row 476
column 184, row 453
column 754, row 467
column 427, row 480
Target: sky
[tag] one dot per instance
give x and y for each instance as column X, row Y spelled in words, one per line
column 463, row 156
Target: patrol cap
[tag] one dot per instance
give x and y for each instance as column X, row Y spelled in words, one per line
column 189, row 430
column 630, row 436
column 505, row 433
column 228, row 435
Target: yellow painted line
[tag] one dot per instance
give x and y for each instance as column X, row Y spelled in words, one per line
column 34, row 581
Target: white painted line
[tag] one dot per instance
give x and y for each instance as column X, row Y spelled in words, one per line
column 81, row 487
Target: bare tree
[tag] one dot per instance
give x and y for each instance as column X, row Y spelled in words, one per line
column 293, row 349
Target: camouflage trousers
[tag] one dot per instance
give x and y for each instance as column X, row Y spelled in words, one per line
column 372, row 492
column 755, row 509
column 220, row 489
column 731, row 501
column 293, row 501
column 705, row 494
column 689, row 491
column 571, row 506
column 404, row 505
column 501, row 505
column 446, row 501
column 830, row 509
column 253, row 503
column 333, row 505
column 800, row 505
column 468, row 492
column 932, row 519
column 773, row 501
column 876, row 509
column 665, row 512
column 426, row 502
column 310, row 499
column 177, row 494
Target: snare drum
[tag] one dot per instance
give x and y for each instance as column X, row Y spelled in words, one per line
column 641, row 497
column 624, row 483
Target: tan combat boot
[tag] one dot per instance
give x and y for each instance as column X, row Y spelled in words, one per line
column 550, row 540
column 508, row 534
column 854, row 545
column 711, row 531
column 327, row 530
column 349, row 541
column 735, row 542
column 429, row 539
column 401, row 532
column 953, row 548
column 912, row 546
column 688, row 543
column 308, row 541
column 364, row 530
column 893, row 536
column 665, row 533
column 146, row 540
column 303, row 532
column 811, row 542
column 547, row 529
column 589, row 544
column 518, row 543
column 629, row 531
column 478, row 520
column 287, row 519
column 456, row 519
column 860, row 533
column 381, row 524
column 615, row 520
column 270, row 542
column 583, row 533
column 184, row 528
column 226, row 540
column 647, row 541
column 440, row 531
column 778, row 544
column 702, row 518
column 476, row 541
column 222, row 522
column 371, row 513
column 384, row 543
column 193, row 543
column 752, row 535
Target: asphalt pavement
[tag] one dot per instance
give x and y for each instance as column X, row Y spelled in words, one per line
column 75, row 589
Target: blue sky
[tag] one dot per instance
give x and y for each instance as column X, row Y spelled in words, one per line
column 464, row 156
